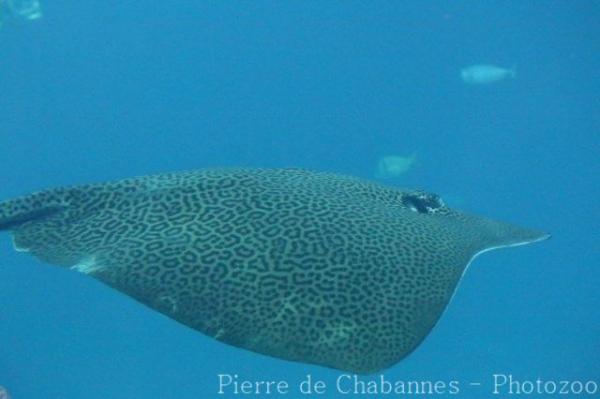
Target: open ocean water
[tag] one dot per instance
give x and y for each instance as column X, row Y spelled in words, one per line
column 97, row 91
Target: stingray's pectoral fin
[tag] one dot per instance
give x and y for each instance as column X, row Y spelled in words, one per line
column 492, row 234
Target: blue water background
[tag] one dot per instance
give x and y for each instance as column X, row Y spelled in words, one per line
column 98, row 91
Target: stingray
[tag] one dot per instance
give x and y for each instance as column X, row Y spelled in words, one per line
column 299, row 265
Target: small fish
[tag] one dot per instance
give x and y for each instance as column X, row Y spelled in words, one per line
column 486, row 74
column 394, row 165
column 4, row 393
column 26, row 9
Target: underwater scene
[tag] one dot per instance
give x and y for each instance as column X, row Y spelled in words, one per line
column 282, row 199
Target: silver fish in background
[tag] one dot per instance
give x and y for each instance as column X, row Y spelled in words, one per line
column 4, row 393
column 486, row 74
column 393, row 166
column 20, row 9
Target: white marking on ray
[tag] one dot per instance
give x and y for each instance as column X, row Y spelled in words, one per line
column 286, row 306
column 219, row 333
column 17, row 247
column 87, row 266
column 169, row 302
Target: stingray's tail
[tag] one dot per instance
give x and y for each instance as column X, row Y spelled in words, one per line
column 35, row 207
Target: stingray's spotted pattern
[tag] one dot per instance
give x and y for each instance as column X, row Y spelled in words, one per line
column 305, row 266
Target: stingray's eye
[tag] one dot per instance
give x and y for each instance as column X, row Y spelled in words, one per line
column 423, row 202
